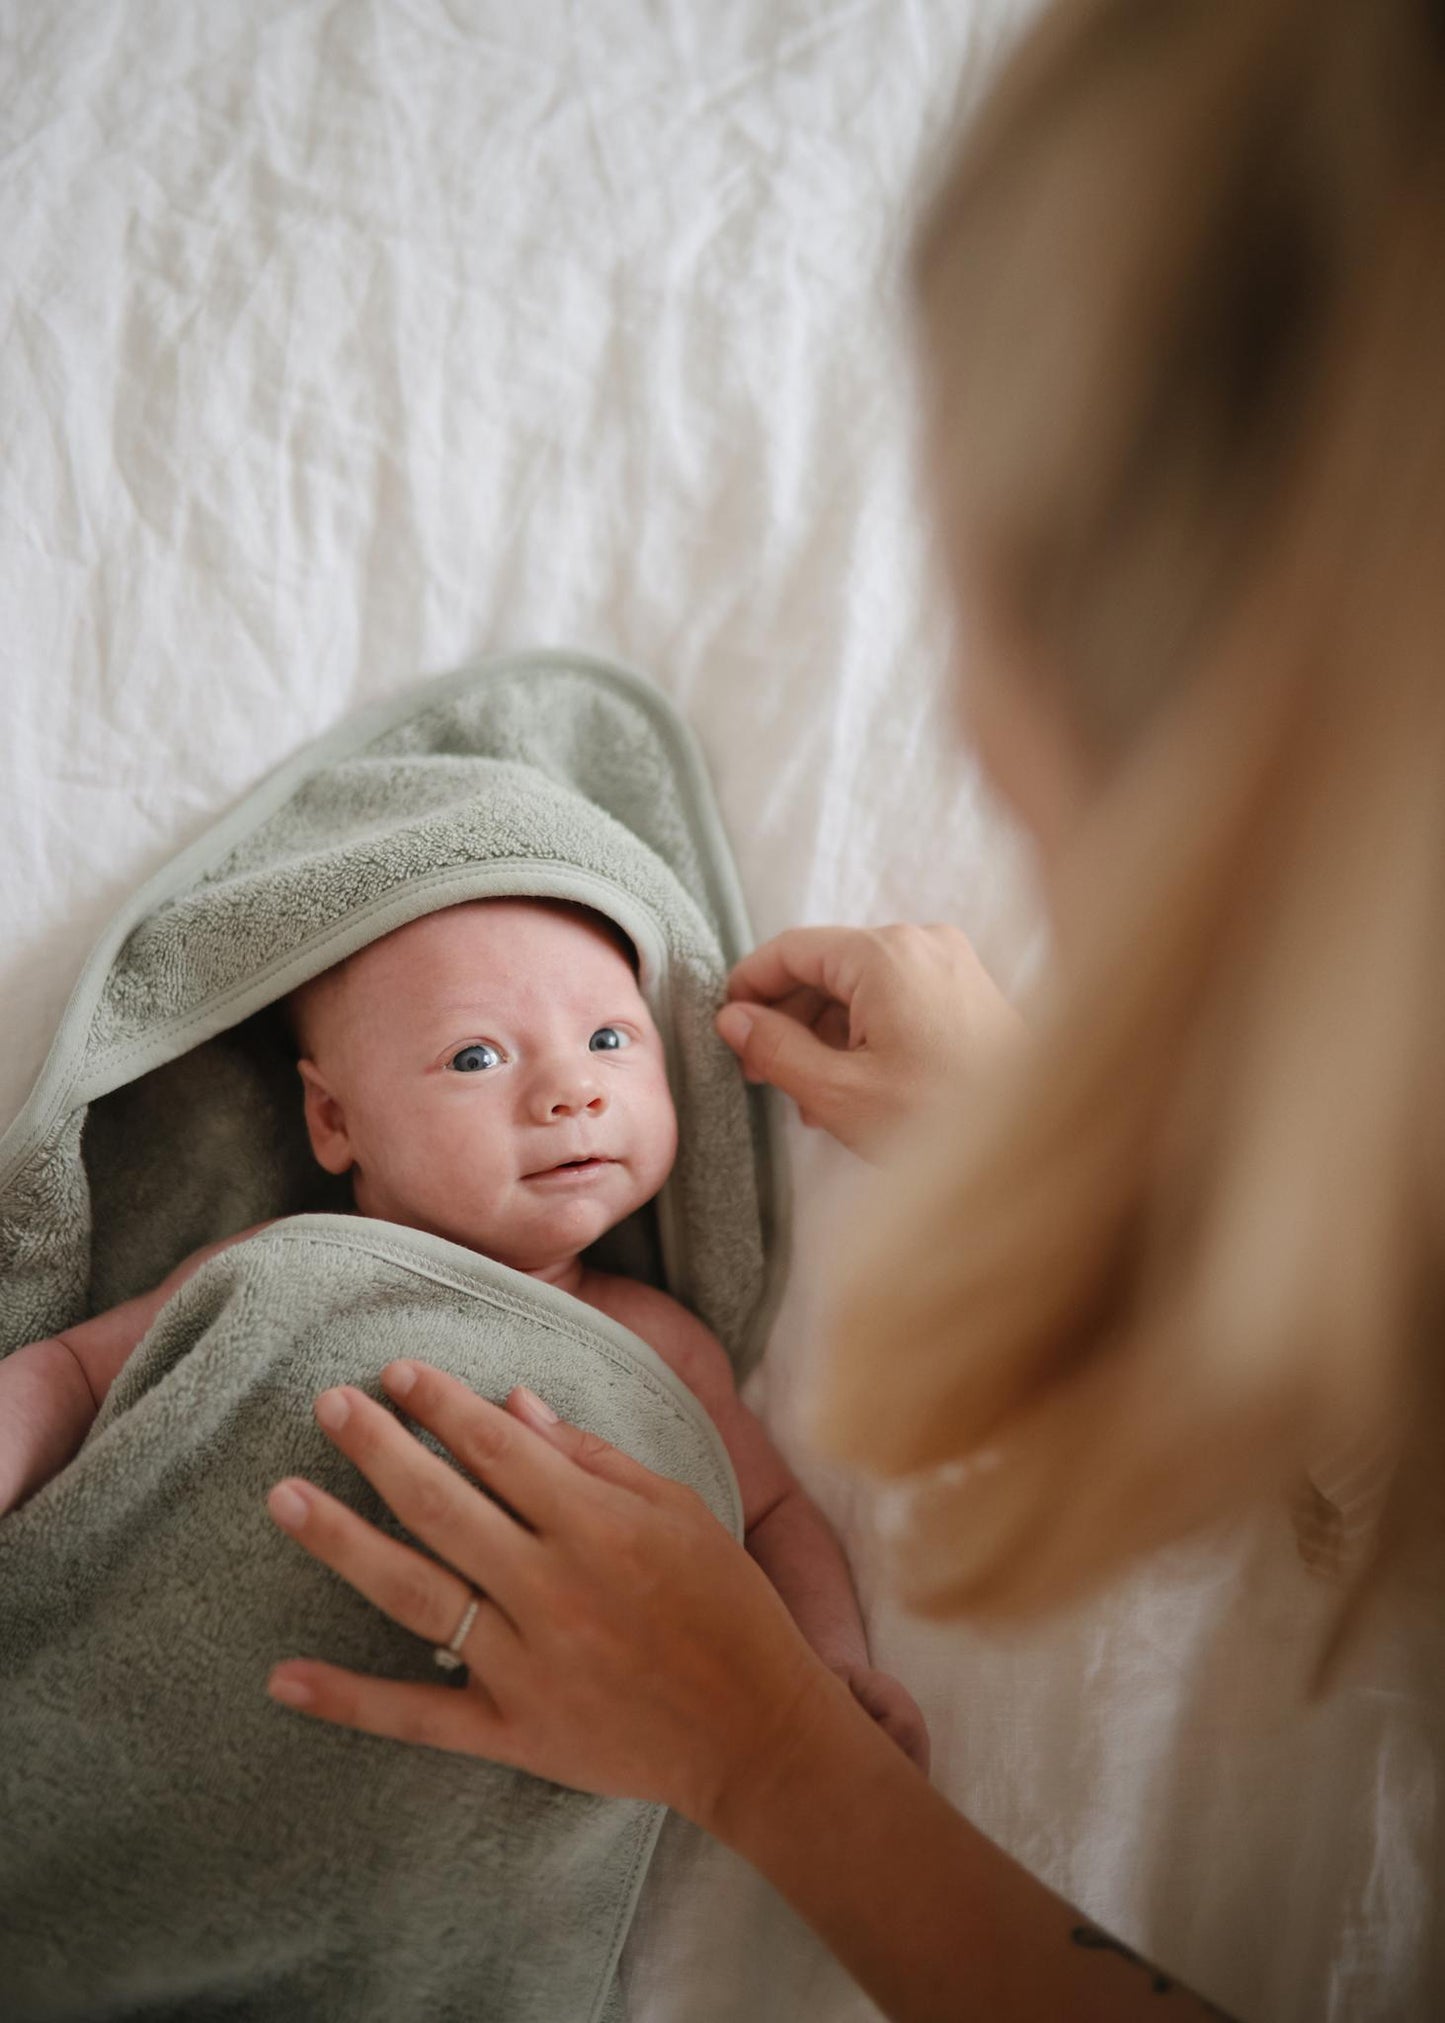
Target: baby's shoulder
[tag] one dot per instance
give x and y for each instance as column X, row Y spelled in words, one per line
column 664, row 1323
column 646, row 1309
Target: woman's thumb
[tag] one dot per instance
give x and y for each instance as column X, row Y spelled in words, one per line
column 775, row 1048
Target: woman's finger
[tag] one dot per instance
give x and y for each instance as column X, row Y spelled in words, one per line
column 436, row 1504
column 438, row 1716
column 803, row 1004
column 773, row 1048
column 588, row 1450
column 405, row 1584
column 823, row 1016
column 534, row 1477
column 824, row 959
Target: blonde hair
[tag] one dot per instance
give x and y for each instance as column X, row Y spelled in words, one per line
column 1182, row 295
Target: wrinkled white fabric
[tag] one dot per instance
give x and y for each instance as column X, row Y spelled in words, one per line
column 343, row 341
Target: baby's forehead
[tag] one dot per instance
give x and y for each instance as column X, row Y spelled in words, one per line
column 492, row 931
column 506, row 947
column 496, row 949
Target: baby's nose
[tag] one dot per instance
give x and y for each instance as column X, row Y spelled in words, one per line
column 574, row 1094
column 574, row 1105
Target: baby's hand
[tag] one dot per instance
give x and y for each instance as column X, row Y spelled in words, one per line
column 893, row 1707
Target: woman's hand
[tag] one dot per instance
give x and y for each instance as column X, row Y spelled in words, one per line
column 624, row 1643
column 861, row 1025
column 627, row 1645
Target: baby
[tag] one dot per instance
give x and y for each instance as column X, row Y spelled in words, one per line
column 491, row 1073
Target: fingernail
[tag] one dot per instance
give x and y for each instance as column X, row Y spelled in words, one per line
column 288, row 1506
column 399, row 1378
column 332, row 1410
column 285, row 1686
column 734, row 1022
column 536, row 1407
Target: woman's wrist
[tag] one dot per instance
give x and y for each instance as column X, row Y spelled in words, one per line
column 760, row 1796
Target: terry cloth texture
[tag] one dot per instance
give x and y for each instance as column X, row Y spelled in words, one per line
column 178, row 1845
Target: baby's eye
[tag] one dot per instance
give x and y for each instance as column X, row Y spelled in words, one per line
column 607, row 1040
column 471, row 1060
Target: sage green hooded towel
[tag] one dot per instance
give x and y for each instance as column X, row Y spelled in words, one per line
column 176, row 1845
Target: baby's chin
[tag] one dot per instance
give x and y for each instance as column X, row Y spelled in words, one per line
column 547, row 1234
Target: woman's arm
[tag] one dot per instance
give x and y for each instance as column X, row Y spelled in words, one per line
column 623, row 1643
column 930, row 1917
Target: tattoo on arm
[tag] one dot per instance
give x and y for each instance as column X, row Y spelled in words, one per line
column 1093, row 1940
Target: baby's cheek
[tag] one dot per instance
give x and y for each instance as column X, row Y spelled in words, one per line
column 660, row 1122
column 452, row 1162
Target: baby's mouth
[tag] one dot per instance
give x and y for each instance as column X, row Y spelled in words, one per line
column 573, row 1169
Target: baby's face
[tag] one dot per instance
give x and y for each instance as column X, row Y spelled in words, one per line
column 492, row 1074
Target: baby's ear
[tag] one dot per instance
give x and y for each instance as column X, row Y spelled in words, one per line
column 325, row 1121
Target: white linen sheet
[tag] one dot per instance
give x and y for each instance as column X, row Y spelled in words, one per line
column 347, row 339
